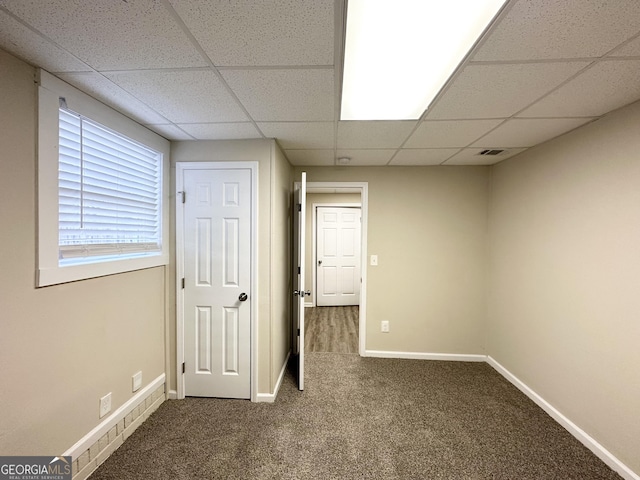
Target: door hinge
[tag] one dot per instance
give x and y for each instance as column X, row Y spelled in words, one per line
column 298, row 332
column 183, row 283
column 299, row 207
column 184, row 196
column 183, row 367
column 299, row 272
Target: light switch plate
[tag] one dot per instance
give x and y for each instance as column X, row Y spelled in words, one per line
column 374, row 260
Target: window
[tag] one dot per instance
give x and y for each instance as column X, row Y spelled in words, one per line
column 109, row 193
column 102, row 189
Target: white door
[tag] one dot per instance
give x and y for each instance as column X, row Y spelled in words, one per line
column 299, row 204
column 217, row 281
column 338, row 256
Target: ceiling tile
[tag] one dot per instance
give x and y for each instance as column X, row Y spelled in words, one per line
column 268, row 32
column 116, row 35
column 311, row 157
column 423, row 156
column 449, row 133
column 191, row 96
column 469, row 156
column 361, row 158
column 36, row 50
column 604, row 87
column 220, row 131
column 284, row 94
column 545, row 29
column 631, row 49
column 276, row 58
column 295, row 135
column 528, row 132
column 170, row 132
column 103, row 89
column 373, row 134
column 498, row 91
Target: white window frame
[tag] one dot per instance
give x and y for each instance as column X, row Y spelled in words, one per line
column 50, row 272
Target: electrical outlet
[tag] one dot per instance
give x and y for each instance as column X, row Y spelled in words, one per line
column 137, row 381
column 384, row 326
column 374, row 260
column 105, row 404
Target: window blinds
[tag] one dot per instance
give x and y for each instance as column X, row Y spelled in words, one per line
column 109, row 192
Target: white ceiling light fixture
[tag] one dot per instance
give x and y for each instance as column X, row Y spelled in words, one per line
column 400, row 53
column 344, row 160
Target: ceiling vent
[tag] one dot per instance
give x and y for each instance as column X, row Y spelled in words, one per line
column 492, row 152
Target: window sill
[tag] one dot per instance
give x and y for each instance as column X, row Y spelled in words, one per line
column 73, row 273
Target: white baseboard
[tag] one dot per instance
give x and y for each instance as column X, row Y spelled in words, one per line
column 172, row 395
column 265, row 398
column 455, row 357
column 271, row 397
column 308, row 304
column 108, row 423
column 584, row 438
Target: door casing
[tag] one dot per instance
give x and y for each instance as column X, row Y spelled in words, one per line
column 181, row 167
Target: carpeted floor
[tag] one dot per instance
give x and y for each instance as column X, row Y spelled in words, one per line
column 360, row 418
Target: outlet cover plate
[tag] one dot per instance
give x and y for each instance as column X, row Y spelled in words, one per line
column 384, row 326
column 136, row 381
column 105, row 404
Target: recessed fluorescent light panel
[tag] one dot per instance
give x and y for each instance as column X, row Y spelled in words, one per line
column 400, row 53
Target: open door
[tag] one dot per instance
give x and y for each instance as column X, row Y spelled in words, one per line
column 299, row 205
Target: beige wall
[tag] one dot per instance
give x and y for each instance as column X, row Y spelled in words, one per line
column 565, row 269
column 273, row 182
column 281, row 269
column 65, row 346
column 319, row 198
column 428, row 226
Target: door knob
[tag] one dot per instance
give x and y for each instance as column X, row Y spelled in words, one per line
column 301, row 293
column 243, row 297
column 319, row 262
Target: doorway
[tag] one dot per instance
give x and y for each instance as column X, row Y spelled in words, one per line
column 352, row 325
column 216, row 215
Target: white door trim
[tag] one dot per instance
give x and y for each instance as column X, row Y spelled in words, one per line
column 181, row 167
column 314, row 215
column 363, row 189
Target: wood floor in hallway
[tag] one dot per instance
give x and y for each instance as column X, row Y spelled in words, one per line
column 331, row 329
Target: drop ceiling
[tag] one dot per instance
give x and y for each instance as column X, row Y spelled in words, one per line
column 220, row 69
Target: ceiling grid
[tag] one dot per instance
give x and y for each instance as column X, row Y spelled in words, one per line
column 201, row 69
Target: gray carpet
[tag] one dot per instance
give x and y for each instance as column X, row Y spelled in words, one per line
column 360, row 418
